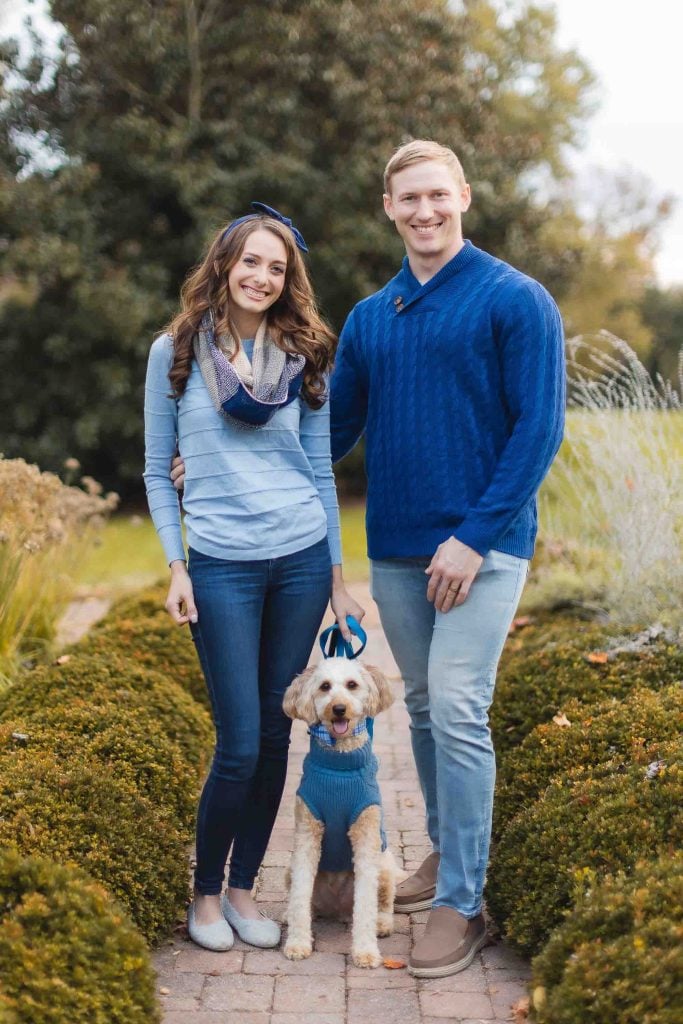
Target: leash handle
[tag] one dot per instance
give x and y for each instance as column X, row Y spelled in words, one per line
column 333, row 644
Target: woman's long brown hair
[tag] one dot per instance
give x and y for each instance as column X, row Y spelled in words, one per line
column 294, row 322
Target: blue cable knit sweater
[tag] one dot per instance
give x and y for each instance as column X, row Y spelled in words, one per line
column 459, row 385
column 336, row 786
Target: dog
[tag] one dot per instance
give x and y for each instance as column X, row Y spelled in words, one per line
column 339, row 842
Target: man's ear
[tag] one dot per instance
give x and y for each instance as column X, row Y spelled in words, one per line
column 295, row 703
column 388, row 206
column 465, row 198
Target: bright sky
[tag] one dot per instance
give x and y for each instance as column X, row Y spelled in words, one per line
column 634, row 48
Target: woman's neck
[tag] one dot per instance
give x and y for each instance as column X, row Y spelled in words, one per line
column 245, row 324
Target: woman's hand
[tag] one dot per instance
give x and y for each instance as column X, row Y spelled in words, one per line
column 180, row 601
column 343, row 604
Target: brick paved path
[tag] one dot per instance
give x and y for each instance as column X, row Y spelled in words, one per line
column 248, row 986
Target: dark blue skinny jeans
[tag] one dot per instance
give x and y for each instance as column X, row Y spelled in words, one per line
column 257, row 623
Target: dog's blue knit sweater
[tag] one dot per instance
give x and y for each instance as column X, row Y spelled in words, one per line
column 337, row 786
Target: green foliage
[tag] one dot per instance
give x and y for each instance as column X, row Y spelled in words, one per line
column 67, row 955
column 662, row 312
column 599, row 819
column 639, row 722
column 99, row 680
column 124, row 738
column 619, row 955
column 533, row 685
column 153, row 642
column 82, row 813
column 155, row 123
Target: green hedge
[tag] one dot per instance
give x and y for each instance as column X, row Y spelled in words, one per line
column 618, row 957
column 67, row 954
column 85, row 814
column 534, row 683
column 149, row 601
column 153, row 642
column 124, row 738
column 597, row 733
column 98, row 679
column 602, row 818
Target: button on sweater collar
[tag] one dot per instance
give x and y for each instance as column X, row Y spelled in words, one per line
column 408, row 290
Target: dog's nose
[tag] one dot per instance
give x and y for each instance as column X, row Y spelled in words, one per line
column 339, row 709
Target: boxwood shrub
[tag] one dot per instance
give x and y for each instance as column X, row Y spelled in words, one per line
column 644, row 718
column 124, row 738
column 534, row 684
column 149, row 601
column 68, row 955
column 98, row 679
column 618, row 957
column 153, row 642
column 602, row 818
column 82, row 813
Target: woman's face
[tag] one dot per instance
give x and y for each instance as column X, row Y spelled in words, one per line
column 257, row 279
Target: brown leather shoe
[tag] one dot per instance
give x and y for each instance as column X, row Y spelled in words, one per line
column 449, row 944
column 417, row 891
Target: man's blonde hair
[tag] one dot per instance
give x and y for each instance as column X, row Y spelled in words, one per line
column 416, row 152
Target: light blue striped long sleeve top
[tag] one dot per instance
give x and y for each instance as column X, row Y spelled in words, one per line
column 249, row 494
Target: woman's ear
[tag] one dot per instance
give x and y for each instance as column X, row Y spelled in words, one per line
column 297, row 702
column 385, row 697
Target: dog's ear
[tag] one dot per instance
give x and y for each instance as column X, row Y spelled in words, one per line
column 295, row 703
column 385, row 697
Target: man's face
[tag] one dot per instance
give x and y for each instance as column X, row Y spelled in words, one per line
column 426, row 202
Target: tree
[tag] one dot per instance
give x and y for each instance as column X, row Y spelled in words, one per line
column 157, row 121
column 662, row 312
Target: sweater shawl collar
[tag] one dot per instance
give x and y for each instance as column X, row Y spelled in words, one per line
column 407, row 290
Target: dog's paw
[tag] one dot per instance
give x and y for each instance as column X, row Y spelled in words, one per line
column 385, row 925
column 367, row 958
column 298, row 951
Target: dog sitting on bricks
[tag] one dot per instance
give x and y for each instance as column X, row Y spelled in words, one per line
column 339, row 841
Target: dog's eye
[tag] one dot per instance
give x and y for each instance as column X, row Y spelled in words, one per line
column 352, row 685
column 326, row 686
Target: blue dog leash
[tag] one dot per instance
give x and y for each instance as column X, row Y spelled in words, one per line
column 333, row 645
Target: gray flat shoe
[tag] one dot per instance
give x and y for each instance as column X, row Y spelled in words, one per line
column 264, row 933
column 217, row 936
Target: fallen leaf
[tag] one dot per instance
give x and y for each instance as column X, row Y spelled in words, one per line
column 408, row 802
column 630, row 483
column 521, row 621
column 393, row 965
column 164, row 991
column 598, row 657
column 561, row 720
column 539, row 997
column 520, row 1010
column 62, row 659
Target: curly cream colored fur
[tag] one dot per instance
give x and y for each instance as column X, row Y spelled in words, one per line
column 318, row 695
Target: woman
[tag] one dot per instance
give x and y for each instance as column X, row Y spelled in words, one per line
column 246, row 363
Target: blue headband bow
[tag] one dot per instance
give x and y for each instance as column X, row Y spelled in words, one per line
column 270, row 212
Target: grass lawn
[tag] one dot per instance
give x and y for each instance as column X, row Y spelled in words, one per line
column 129, row 555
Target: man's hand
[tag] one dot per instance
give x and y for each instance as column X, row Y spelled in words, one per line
column 178, row 473
column 451, row 571
column 180, row 601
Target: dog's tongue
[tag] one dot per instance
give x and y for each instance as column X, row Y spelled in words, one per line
column 340, row 728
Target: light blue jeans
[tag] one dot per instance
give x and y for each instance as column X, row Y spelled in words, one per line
column 448, row 662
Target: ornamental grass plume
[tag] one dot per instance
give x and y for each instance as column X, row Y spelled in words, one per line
column 45, row 529
column 615, row 492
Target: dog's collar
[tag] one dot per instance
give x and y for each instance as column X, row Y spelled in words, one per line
column 319, row 731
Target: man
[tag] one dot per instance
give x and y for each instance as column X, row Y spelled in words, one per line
column 454, row 371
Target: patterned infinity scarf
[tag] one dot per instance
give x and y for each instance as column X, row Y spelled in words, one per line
column 247, row 393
